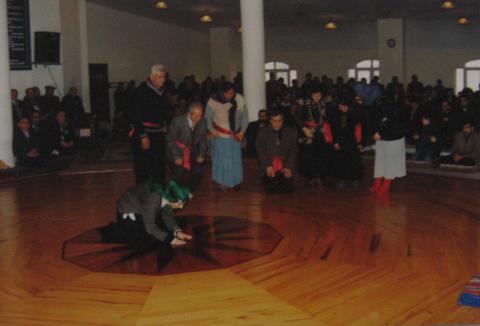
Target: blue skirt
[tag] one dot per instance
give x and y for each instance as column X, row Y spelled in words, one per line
column 227, row 169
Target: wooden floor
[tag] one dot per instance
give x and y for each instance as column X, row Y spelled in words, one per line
column 318, row 257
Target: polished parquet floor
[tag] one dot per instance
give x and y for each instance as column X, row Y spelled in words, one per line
column 317, row 257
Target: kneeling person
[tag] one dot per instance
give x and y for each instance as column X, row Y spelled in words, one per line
column 139, row 207
column 277, row 150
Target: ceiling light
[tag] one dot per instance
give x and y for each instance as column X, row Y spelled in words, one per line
column 447, row 5
column 206, row 19
column 161, row 5
column 331, row 25
column 463, row 21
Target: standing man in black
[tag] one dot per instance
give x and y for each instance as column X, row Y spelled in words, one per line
column 150, row 114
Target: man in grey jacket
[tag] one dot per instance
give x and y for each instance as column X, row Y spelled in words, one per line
column 140, row 206
column 277, row 153
column 466, row 147
column 187, row 146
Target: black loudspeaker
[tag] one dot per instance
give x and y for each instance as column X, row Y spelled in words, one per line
column 47, row 48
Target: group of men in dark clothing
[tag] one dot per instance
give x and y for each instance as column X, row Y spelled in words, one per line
column 44, row 126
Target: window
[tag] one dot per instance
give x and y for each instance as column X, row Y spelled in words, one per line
column 281, row 70
column 468, row 76
column 365, row 69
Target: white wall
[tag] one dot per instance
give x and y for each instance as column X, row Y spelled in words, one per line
column 225, row 52
column 320, row 51
column 433, row 49
column 130, row 44
column 436, row 48
column 44, row 17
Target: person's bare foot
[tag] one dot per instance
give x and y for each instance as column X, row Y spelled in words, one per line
column 176, row 242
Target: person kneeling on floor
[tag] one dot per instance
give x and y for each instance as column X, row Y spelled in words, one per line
column 276, row 149
column 138, row 210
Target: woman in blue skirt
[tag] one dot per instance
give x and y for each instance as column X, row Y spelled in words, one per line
column 227, row 120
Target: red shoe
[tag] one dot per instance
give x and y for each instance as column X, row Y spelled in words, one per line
column 377, row 183
column 385, row 188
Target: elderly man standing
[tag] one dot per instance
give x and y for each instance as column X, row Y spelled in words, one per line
column 150, row 114
column 187, row 146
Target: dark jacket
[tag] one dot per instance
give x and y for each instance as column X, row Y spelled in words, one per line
column 251, row 138
column 196, row 140
column 50, row 104
column 17, row 110
column 140, row 200
column 390, row 123
column 73, row 106
column 56, row 135
column 344, row 129
column 468, row 146
column 271, row 144
column 149, row 106
column 23, row 144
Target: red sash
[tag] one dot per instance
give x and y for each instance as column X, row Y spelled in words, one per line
column 327, row 133
column 277, row 164
column 358, row 133
column 131, row 132
column 311, row 124
column 152, row 124
column 186, row 155
column 230, row 133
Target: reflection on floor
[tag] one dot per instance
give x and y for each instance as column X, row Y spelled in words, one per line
column 218, row 242
column 322, row 256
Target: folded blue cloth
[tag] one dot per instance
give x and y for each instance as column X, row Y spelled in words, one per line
column 471, row 293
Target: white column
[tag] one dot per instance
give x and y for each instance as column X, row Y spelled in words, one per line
column 6, row 121
column 391, row 49
column 75, row 48
column 253, row 41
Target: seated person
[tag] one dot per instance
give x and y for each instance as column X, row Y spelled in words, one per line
column 187, row 146
column 466, row 147
column 36, row 122
column 140, row 211
column 26, row 145
column 277, row 149
column 447, row 125
column 427, row 140
column 252, row 132
column 60, row 139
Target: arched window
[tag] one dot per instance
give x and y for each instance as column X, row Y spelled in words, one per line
column 468, row 76
column 281, row 70
column 365, row 69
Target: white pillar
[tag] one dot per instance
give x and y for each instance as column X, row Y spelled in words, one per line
column 253, row 41
column 6, row 121
column 391, row 49
column 73, row 15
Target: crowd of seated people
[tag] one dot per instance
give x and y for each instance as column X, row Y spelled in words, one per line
column 44, row 125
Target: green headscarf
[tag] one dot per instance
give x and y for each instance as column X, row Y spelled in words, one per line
column 170, row 193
